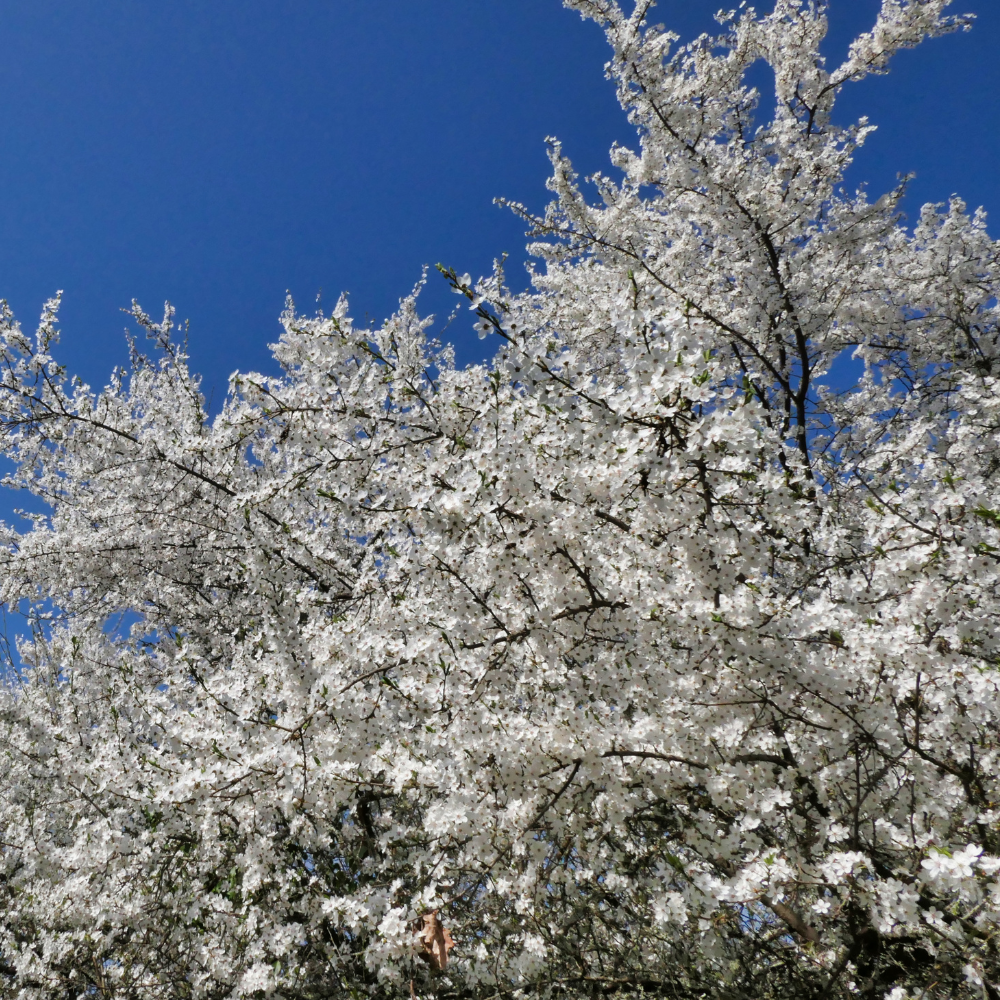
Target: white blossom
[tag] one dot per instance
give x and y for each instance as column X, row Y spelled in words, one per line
column 644, row 656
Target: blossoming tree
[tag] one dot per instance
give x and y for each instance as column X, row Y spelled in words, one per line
column 639, row 660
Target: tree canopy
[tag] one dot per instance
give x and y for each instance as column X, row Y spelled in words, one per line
column 644, row 659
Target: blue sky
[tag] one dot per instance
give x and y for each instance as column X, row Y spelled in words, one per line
column 217, row 154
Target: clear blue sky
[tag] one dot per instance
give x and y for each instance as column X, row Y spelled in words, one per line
column 219, row 153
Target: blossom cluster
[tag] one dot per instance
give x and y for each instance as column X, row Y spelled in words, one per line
column 646, row 657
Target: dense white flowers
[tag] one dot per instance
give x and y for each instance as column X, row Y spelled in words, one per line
column 647, row 656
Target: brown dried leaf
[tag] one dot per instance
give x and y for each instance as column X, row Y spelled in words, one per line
column 435, row 941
